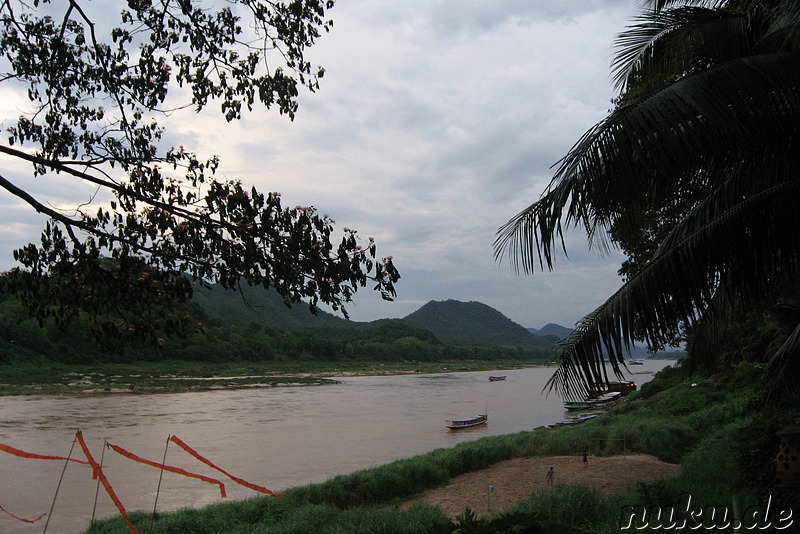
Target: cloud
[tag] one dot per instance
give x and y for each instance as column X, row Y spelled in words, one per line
column 436, row 122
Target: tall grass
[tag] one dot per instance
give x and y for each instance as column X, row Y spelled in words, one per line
column 266, row 515
column 403, row 478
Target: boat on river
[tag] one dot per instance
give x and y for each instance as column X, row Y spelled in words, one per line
column 497, row 378
column 575, row 419
column 603, row 401
column 458, row 424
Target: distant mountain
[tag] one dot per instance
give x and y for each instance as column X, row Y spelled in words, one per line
column 254, row 324
column 472, row 323
column 553, row 329
column 451, row 321
column 551, row 332
column 554, row 332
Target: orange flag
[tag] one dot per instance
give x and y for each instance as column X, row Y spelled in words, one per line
column 170, row 468
column 260, row 489
column 98, row 473
column 23, row 454
column 22, row 519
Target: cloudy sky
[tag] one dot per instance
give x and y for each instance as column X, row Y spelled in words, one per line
column 436, row 122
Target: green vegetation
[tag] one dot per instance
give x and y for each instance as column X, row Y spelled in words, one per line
column 267, row 335
column 721, row 430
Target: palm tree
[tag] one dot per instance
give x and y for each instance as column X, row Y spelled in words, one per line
column 707, row 126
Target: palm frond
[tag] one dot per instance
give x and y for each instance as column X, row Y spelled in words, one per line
column 680, row 282
column 658, row 5
column 679, row 142
column 782, row 33
column 787, row 355
column 667, row 45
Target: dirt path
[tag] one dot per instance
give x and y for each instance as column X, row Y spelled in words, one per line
column 514, row 480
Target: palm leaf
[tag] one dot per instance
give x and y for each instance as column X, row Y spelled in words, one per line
column 677, row 144
column 680, row 282
column 783, row 358
column 717, row 133
column 658, row 5
column 666, row 45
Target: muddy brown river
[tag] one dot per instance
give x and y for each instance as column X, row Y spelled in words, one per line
column 276, row 438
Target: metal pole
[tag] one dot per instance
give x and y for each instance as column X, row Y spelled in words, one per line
column 50, row 514
column 158, row 489
column 97, row 488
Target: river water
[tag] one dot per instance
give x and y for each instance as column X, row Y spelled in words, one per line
column 276, row 437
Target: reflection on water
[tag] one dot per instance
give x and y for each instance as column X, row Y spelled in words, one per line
column 277, row 438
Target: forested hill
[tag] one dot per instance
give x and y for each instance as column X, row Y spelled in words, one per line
column 255, row 305
column 472, row 323
column 257, row 325
column 450, row 321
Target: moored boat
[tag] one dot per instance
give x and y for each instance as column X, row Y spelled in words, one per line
column 603, row 401
column 623, row 386
column 575, row 419
column 458, row 424
column 497, row 378
column 586, row 404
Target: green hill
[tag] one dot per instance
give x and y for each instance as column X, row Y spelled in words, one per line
column 256, row 305
column 450, row 321
column 256, row 325
column 472, row 323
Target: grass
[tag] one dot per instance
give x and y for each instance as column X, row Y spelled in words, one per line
column 284, row 516
column 718, row 432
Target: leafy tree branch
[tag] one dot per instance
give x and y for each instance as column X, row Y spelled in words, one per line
column 160, row 219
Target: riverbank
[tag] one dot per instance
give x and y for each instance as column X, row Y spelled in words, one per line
column 43, row 377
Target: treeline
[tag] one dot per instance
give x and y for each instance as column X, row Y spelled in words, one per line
column 21, row 339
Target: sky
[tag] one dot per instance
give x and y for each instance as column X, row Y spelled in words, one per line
column 436, row 122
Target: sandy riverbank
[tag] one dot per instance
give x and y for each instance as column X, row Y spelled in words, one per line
column 514, row 480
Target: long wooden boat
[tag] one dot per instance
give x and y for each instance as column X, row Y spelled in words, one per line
column 593, row 402
column 458, row 424
column 586, row 404
column 497, row 378
column 575, row 419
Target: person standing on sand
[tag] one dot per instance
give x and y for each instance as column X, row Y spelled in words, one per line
column 550, row 476
column 585, row 460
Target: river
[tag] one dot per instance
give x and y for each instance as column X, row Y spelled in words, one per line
column 273, row 437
